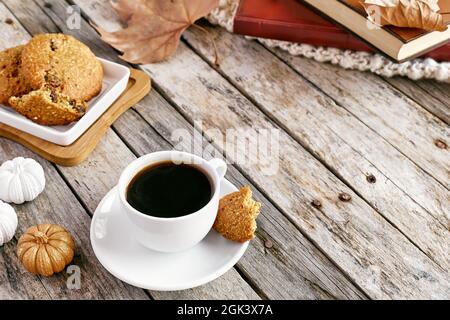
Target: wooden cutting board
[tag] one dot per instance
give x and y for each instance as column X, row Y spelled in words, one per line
column 138, row 87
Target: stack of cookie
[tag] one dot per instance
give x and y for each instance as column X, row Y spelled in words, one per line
column 50, row 79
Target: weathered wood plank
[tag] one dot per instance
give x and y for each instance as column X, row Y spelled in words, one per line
column 27, row 12
column 58, row 205
column 82, row 177
column 227, row 287
column 431, row 95
column 392, row 115
column 339, row 140
column 362, row 243
column 11, row 30
column 15, row 283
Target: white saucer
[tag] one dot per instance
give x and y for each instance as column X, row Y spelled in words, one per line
column 134, row 264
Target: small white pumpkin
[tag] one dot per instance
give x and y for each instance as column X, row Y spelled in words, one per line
column 8, row 223
column 21, row 180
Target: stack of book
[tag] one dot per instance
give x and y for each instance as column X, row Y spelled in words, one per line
column 340, row 24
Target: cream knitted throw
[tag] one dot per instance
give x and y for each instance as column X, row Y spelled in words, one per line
column 363, row 61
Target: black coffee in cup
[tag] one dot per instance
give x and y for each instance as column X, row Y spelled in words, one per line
column 169, row 190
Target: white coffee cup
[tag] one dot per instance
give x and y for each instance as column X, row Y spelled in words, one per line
column 172, row 234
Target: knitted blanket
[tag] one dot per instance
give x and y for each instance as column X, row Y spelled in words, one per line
column 364, row 61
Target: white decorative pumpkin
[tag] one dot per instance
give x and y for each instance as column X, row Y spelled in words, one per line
column 21, row 180
column 8, row 223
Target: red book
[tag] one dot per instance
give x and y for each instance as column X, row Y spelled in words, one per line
column 290, row 20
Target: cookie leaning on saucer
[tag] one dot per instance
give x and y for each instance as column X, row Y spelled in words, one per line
column 62, row 62
column 236, row 219
column 11, row 80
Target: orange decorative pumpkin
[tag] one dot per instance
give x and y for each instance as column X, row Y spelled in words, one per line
column 46, row 249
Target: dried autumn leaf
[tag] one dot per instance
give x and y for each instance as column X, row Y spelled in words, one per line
column 422, row 14
column 154, row 27
column 125, row 9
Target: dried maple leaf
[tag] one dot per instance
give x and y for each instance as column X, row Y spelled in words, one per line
column 422, row 14
column 154, row 27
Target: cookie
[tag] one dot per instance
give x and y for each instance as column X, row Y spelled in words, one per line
column 63, row 63
column 236, row 219
column 11, row 80
column 48, row 107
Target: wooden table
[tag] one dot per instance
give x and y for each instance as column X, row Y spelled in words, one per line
column 381, row 142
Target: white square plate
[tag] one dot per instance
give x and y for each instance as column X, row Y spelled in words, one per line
column 114, row 84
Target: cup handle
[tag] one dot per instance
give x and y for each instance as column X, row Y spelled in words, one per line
column 220, row 166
